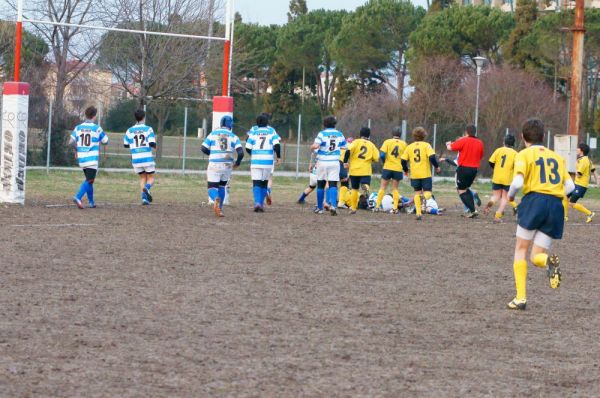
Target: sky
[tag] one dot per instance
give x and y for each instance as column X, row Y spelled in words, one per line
column 266, row 12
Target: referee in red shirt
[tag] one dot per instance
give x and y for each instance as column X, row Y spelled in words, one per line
column 470, row 153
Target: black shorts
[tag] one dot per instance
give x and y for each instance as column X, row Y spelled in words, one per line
column 90, row 174
column 578, row 193
column 357, row 181
column 343, row 171
column 500, row 187
column 422, row 184
column 465, row 177
column 391, row 175
column 541, row 212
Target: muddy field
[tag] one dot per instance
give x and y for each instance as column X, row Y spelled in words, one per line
column 169, row 301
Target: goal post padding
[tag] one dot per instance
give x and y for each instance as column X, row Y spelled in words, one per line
column 222, row 106
column 566, row 146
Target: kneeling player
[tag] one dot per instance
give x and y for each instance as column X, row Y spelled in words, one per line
column 585, row 169
column 543, row 176
column 417, row 160
column 502, row 163
column 141, row 140
column 390, row 153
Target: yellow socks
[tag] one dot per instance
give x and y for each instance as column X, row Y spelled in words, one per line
column 566, row 207
column 354, row 199
column 498, row 215
column 396, row 197
column 343, row 192
column 540, row 260
column 418, row 205
column 513, row 204
column 520, row 269
column 380, row 194
column 427, row 195
column 582, row 209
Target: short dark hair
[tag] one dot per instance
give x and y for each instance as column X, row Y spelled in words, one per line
column 139, row 115
column 329, row 122
column 471, row 130
column 533, row 131
column 262, row 120
column 585, row 148
column 365, row 132
column 509, row 140
column 91, row 112
column 419, row 134
column 397, row 131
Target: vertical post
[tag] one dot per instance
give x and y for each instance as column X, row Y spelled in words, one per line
column 49, row 137
column 577, row 69
column 18, row 41
column 507, row 131
column 231, row 37
column 226, row 51
column 298, row 146
column 369, row 123
column 185, row 120
column 587, row 140
column 404, row 128
column 477, row 97
column 549, row 135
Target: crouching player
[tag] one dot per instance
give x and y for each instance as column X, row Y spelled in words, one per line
column 87, row 138
column 219, row 145
column 361, row 154
column 140, row 140
column 502, row 163
column 543, row 176
column 417, row 160
column 585, row 169
column 390, row 153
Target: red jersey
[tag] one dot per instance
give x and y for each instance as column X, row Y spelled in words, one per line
column 470, row 151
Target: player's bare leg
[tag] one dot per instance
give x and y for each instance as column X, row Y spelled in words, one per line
column 502, row 206
column 269, row 199
column 148, row 183
column 496, row 197
column 540, row 258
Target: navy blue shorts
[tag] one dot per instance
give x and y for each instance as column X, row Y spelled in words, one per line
column 500, row 187
column 422, row 184
column 391, row 175
column 343, row 171
column 578, row 193
column 357, row 181
column 541, row 212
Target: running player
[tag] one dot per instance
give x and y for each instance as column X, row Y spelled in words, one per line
column 140, row 140
column 262, row 145
column 361, row 154
column 220, row 145
column 502, row 163
column 328, row 144
column 417, row 160
column 585, row 169
column 390, row 153
column 87, row 138
column 543, row 176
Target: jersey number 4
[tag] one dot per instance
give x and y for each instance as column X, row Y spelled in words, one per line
column 554, row 177
column 396, row 152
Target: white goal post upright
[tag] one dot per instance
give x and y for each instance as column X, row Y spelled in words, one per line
column 223, row 105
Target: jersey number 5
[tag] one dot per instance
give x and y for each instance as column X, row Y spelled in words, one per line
column 554, row 177
column 332, row 144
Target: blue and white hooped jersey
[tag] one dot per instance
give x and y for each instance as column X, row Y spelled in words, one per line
column 221, row 143
column 88, row 136
column 139, row 138
column 261, row 140
column 330, row 142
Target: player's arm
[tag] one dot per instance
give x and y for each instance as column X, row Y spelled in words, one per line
column 240, row 154
column 404, row 162
column 454, row 146
column 317, row 144
column 517, row 183
column 277, row 150
column 126, row 142
column 205, row 148
column 492, row 159
column 151, row 139
column 102, row 137
column 433, row 160
column 375, row 156
column 249, row 145
column 73, row 137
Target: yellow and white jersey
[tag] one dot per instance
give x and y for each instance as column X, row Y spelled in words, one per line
column 393, row 150
column 543, row 171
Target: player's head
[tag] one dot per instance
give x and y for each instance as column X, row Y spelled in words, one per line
column 584, row 149
column 329, row 122
column 471, row 130
column 509, row 141
column 419, row 134
column 227, row 122
column 262, row 120
column 365, row 132
column 139, row 115
column 91, row 112
column 397, row 131
column 533, row 132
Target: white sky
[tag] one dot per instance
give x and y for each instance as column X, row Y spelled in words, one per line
column 266, row 12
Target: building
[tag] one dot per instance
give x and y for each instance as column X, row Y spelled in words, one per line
column 509, row 5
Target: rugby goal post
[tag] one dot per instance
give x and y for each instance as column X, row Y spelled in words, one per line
column 15, row 100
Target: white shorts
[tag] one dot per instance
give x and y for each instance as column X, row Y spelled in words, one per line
column 328, row 171
column 260, row 174
column 144, row 169
column 312, row 182
column 217, row 172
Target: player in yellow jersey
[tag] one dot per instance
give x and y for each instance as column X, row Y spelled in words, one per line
column 417, row 160
column 361, row 154
column 390, row 153
column 585, row 169
column 543, row 176
column 502, row 162
column 344, row 181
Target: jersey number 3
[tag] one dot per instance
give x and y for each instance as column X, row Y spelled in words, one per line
column 554, row 177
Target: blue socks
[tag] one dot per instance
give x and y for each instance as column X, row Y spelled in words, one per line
column 302, row 197
column 332, row 197
column 320, row 198
column 148, row 186
column 221, row 196
column 90, row 193
column 213, row 193
column 257, row 193
column 265, row 193
column 83, row 189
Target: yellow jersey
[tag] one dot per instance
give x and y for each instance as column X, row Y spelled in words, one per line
column 362, row 154
column 417, row 154
column 504, row 165
column 584, row 171
column 342, row 154
column 393, row 150
column 543, row 171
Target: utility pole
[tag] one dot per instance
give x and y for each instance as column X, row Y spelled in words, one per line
column 577, row 69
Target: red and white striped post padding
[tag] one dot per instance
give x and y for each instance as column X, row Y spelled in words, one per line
column 222, row 106
column 13, row 151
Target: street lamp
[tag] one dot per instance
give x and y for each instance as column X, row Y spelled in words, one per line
column 479, row 62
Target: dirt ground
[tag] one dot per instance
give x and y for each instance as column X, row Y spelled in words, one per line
column 169, row 301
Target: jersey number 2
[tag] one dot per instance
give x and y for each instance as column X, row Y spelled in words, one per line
column 554, row 177
column 363, row 152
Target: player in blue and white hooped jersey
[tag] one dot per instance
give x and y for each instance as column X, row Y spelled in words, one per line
column 141, row 140
column 263, row 144
column 220, row 145
column 328, row 144
column 87, row 138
